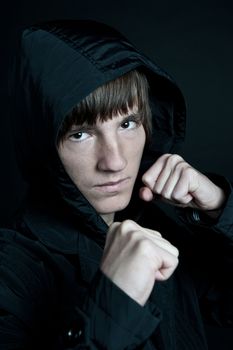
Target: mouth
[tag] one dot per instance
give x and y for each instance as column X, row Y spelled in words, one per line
column 113, row 186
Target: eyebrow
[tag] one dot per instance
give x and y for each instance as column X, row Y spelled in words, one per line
column 85, row 126
column 88, row 126
column 135, row 115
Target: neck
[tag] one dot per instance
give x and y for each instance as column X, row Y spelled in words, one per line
column 108, row 218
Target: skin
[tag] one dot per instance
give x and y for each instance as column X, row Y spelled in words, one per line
column 178, row 183
column 96, row 158
column 103, row 161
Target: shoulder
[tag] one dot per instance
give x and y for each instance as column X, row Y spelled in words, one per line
column 28, row 293
column 25, row 282
column 21, row 254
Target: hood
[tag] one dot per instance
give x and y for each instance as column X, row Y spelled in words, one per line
column 59, row 63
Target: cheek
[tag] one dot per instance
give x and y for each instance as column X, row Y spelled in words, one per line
column 75, row 167
column 134, row 151
column 139, row 143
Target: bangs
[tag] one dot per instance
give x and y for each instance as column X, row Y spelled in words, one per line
column 126, row 93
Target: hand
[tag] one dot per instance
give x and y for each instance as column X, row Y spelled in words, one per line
column 180, row 184
column 135, row 257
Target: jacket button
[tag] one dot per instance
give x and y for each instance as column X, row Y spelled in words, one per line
column 73, row 337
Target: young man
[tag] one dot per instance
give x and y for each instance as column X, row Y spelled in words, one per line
column 91, row 261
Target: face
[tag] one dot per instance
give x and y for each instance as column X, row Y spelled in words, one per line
column 103, row 161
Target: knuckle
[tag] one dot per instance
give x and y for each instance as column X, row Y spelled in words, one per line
column 127, row 225
column 155, row 233
column 188, row 171
column 181, row 165
column 144, row 245
column 166, row 156
column 176, row 252
column 132, row 237
column 177, row 156
column 114, row 226
column 174, row 159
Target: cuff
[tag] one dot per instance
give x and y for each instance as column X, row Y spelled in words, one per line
column 116, row 320
column 224, row 220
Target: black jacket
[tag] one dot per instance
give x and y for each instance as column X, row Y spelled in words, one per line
column 52, row 293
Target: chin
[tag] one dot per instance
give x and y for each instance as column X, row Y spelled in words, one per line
column 112, row 205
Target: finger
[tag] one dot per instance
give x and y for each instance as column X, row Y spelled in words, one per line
column 159, row 241
column 114, row 226
column 169, row 185
column 151, row 175
column 176, row 177
column 166, row 246
column 158, row 175
column 170, row 171
column 143, row 230
column 151, row 233
column 182, row 190
column 167, row 269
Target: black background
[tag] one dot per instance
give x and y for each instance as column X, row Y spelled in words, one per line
column 192, row 40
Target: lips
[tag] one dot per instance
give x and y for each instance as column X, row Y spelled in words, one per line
column 113, row 186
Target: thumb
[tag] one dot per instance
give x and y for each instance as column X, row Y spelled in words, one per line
column 146, row 194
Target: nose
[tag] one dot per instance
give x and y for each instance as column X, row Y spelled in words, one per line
column 111, row 155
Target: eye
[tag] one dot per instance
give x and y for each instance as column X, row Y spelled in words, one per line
column 79, row 136
column 129, row 124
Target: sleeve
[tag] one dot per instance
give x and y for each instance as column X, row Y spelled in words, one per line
column 115, row 320
column 26, row 290
column 29, row 309
column 211, row 258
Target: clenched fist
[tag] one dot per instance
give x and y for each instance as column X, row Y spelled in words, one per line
column 135, row 257
column 177, row 182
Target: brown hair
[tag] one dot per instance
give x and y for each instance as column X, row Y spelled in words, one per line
column 119, row 95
